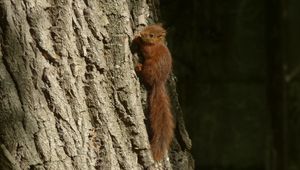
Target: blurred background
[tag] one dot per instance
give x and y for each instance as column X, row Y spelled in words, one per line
column 238, row 69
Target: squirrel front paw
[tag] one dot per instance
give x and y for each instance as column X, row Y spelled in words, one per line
column 138, row 67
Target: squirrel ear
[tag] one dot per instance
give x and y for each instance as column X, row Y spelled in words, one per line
column 163, row 32
column 160, row 24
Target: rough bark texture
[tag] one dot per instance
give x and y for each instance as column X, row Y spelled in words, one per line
column 69, row 96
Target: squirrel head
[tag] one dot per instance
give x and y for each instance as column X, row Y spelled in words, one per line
column 153, row 34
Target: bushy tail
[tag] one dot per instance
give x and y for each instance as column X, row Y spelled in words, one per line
column 161, row 119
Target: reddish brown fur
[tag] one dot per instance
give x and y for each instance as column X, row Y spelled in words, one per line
column 155, row 71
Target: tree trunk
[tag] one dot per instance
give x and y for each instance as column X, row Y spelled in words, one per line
column 69, row 96
column 276, row 85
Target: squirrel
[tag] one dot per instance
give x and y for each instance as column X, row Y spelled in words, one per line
column 155, row 71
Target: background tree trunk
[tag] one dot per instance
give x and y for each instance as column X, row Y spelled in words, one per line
column 69, row 96
column 276, row 84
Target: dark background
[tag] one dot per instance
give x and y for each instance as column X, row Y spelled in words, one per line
column 238, row 65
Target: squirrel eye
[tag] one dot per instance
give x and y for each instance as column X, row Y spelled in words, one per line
column 151, row 35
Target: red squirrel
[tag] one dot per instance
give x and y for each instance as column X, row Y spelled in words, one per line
column 155, row 71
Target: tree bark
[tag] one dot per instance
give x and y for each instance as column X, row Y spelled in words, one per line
column 69, row 96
